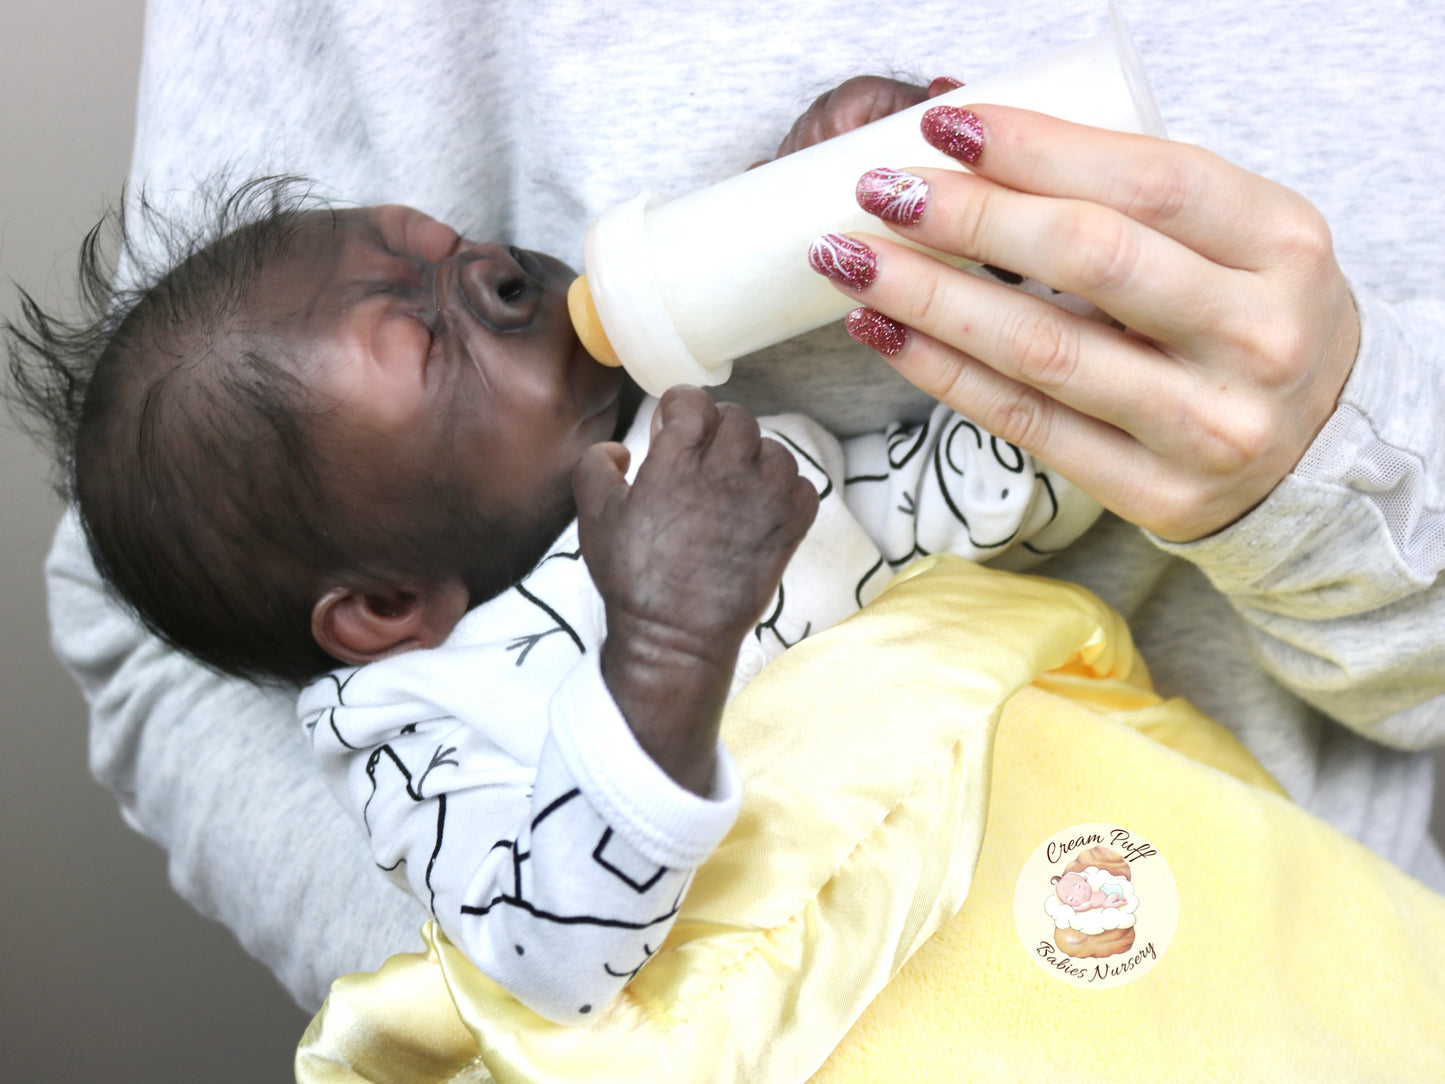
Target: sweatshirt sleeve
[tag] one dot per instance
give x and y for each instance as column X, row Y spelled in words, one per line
column 1338, row 573
column 214, row 770
column 559, row 880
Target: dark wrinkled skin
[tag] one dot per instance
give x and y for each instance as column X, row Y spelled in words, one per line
column 852, row 104
column 686, row 559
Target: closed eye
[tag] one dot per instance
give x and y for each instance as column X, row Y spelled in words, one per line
column 429, row 322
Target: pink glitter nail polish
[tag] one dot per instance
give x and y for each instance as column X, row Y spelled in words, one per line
column 844, row 260
column 872, row 328
column 894, row 196
column 958, row 133
column 942, row 85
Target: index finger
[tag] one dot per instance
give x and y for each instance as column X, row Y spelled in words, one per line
column 1214, row 207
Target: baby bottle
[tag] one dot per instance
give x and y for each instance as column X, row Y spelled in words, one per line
column 649, row 303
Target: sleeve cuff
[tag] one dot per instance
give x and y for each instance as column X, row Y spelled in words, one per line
column 666, row 822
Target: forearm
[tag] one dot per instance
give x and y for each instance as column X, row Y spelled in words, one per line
column 686, row 557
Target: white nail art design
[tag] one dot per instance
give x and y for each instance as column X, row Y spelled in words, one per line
column 843, row 260
column 893, row 195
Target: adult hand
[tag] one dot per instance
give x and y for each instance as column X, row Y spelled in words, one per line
column 1235, row 328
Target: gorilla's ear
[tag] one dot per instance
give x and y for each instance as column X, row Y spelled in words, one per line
column 362, row 626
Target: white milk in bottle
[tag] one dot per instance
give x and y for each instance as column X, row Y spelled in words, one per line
column 675, row 290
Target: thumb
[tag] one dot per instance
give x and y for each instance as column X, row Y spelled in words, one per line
column 600, row 477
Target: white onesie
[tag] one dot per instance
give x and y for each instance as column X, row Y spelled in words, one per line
column 496, row 778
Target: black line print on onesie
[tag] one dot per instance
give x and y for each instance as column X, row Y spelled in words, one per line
column 440, row 755
column 858, row 591
column 647, row 954
column 1011, row 460
column 526, row 643
column 342, row 684
column 770, row 623
column 905, row 442
column 559, row 555
column 803, row 455
column 517, row 900
column 519, row 855
column 909, row 507
column 1040, row 476
column 640, row 887
column 331, row 722
column 647, row 951
column 943, row 454
column 331, row 712
column 896, row 563
column 1015, row 463
column 415, row 791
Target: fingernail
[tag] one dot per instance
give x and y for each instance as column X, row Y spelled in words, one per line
column 942, row 85
column 892, row 195
column 872, row 328
column 843, row 260
column 957, row 132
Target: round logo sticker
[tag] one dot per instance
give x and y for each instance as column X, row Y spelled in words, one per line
column 1096, row 905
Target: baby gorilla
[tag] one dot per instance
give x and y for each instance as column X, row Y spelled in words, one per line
column 328, row 435
column 318, row 436
column 351, row 448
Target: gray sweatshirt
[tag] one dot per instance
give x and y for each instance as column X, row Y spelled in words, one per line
column 1314, row 628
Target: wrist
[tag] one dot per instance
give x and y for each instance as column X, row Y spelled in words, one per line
column 671, row 691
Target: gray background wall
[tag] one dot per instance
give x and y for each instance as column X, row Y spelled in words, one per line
column 104, row 973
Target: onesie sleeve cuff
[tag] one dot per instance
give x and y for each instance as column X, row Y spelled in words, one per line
column 664, row 821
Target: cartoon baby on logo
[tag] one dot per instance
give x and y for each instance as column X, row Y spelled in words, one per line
column 1093, row 905
column 1096, row 905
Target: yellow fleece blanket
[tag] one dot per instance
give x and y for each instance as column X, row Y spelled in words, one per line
column 942, row 793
